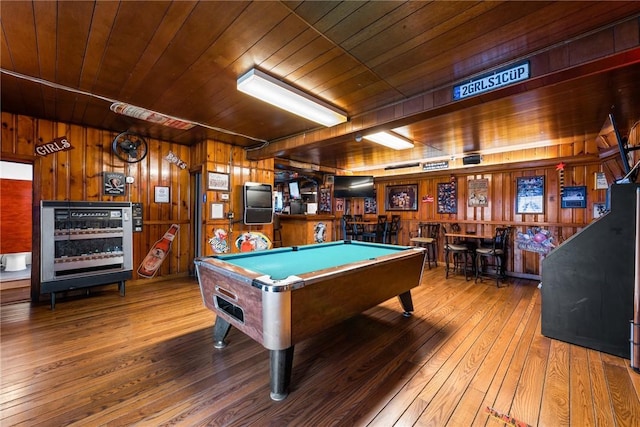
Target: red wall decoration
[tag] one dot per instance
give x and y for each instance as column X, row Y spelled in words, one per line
column 15, row 211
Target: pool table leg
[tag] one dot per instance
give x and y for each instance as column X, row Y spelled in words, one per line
column 220, row 331
column 281, row 362
column 406, row 302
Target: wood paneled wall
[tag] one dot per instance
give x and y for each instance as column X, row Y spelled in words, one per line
column 223, row 158
column 77, row 174
column 501, row 210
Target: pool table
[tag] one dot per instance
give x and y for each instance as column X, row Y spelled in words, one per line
column 282, row 296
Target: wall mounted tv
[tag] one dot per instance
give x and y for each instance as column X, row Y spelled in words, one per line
column 346, row 186
column 258, row 203
column 294, row 190
column 617, row 169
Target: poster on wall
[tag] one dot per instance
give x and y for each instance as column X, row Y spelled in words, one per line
column 113, row 183
column 370, row 205
column 530, row 195
column 325, row 199
column 253, row 241
column 599, row 209
column 447, row 197
column 574, row 197
column 478, row 190
column 535, row 239
column 161, row 194
column 402, row 197
column 218, row 241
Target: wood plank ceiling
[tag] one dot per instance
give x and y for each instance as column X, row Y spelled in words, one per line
column 388, row 64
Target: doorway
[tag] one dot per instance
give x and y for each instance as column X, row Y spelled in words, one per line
column 16, row 228
column 197, row 209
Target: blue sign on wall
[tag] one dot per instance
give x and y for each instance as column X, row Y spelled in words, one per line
column 493, row 81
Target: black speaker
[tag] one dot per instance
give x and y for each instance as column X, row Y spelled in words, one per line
column 473, row 159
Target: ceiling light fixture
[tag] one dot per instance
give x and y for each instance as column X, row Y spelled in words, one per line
column 456, row 157
column 277, row 93
column 390, row 139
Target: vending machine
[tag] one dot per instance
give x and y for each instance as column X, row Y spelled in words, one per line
column 85, row 244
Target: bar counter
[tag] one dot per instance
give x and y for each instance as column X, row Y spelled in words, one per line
column 305, row 229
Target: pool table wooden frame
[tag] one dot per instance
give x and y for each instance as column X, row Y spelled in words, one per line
column 278, row 314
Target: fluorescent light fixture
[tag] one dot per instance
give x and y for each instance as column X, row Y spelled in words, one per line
column 453, row 157
column 390, row 139
column 277, row 93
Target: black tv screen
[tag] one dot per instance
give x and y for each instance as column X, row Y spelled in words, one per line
column 294, row 190
column 346, row 186
column 258, row 196
column 258, row 204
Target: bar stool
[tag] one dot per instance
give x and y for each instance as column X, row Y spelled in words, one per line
column 427, row 237
column 378, row 233
column 347, row 227
column 456, row 254
column 358, row 227
column 491, row 261
column 394, row 229
column 277, row 232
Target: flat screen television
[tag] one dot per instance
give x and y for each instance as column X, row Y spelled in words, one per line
column 617, row 169
column 294, row 190
column 258, row 203
column 345, row 186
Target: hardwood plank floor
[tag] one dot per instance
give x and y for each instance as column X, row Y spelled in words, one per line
column 12, row 291
column 148, row 359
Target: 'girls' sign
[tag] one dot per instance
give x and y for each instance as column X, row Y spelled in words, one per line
column 58, row 144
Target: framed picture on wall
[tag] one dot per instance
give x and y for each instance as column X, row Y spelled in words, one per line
column 370, row 205
column 217, row 211
column 599, row 209
column 530, row 195
column 478, row 191
column 574, row 197
column 325, row 200
column 217, row 181
column 402, row 197
column 161, row 194
column 447, row 198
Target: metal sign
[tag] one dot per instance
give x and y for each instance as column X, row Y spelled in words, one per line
column 431, row 166
column 58, row 144
column 492, row 81
column 113, row 183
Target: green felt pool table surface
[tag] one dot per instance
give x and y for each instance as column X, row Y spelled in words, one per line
column 281, row 263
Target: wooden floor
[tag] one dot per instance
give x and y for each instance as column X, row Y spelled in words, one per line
column 13, row 291
column 148, row 359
